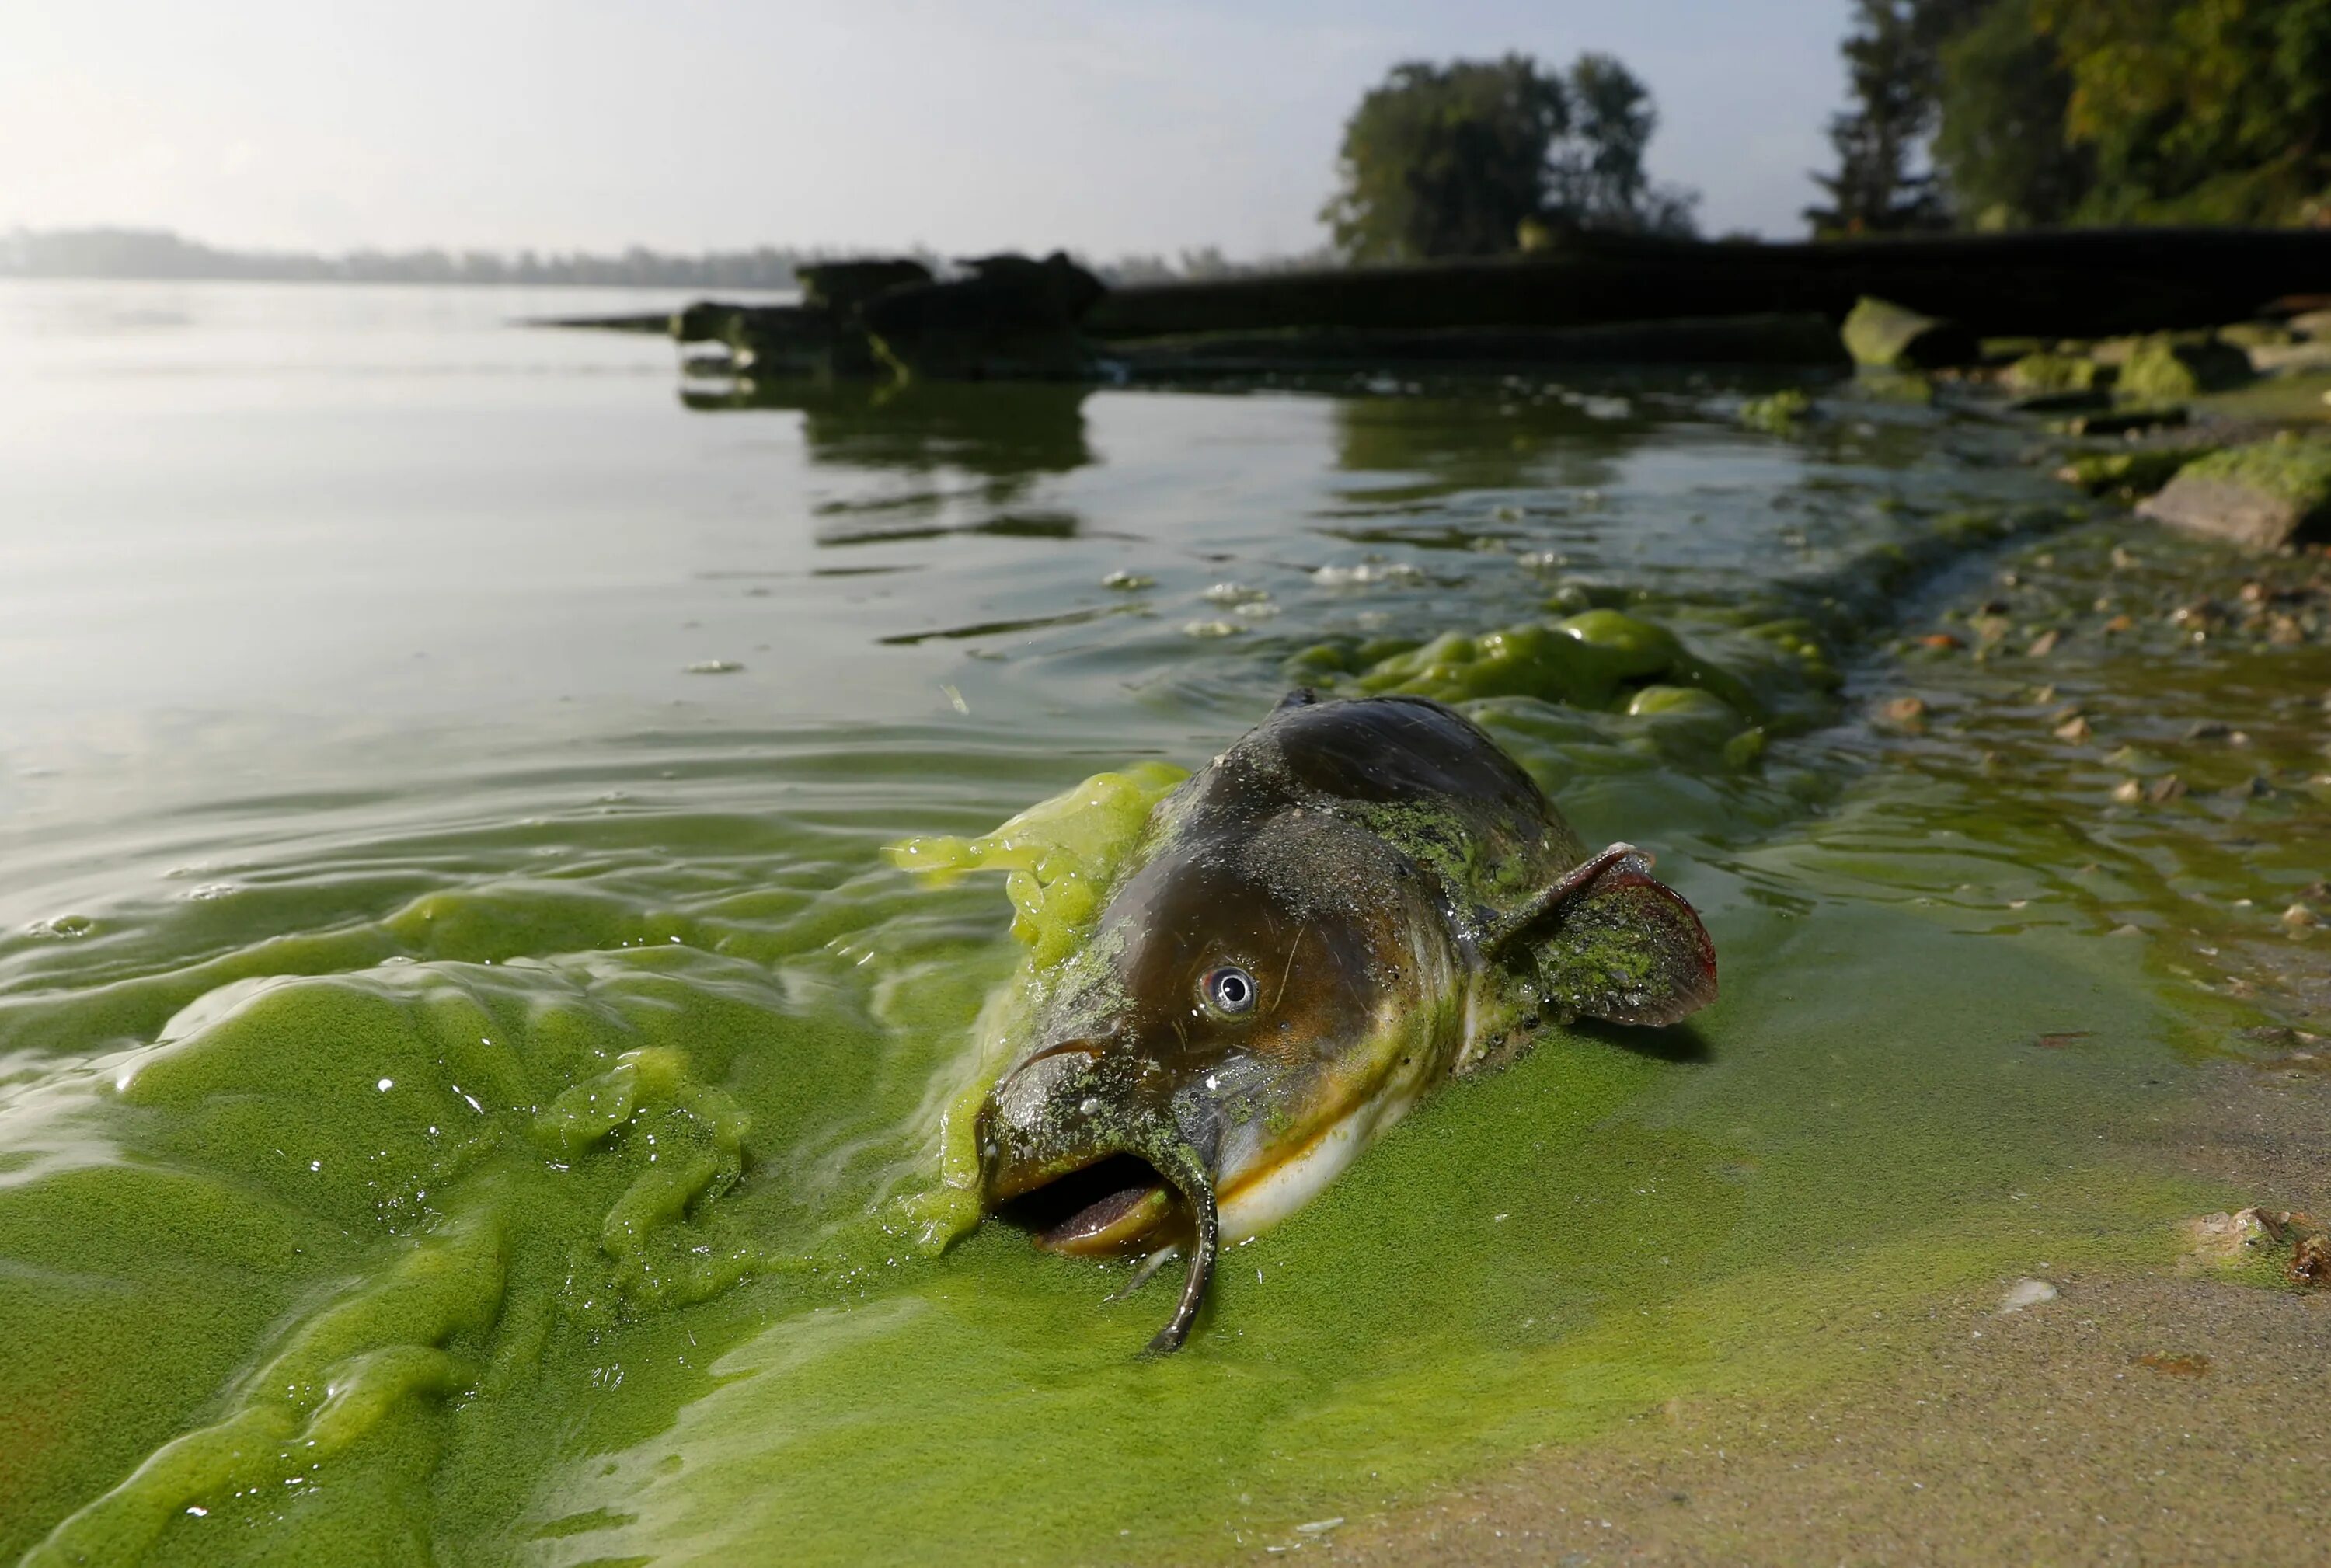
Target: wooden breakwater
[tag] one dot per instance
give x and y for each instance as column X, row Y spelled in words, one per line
column 2068, row 283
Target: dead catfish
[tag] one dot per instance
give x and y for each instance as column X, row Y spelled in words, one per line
column 1358, row 900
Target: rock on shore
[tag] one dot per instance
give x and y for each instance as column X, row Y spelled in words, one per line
column 2261, row 495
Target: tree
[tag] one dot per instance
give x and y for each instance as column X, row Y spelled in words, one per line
column 2198, row 111
column 1595, row 176
column 1445, row 160
column 1453, row 160
column 2001, row 144
column 1892, row 73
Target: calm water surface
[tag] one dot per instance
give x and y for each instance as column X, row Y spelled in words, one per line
column 405, row 715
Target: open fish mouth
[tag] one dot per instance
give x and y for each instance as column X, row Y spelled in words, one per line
column 1116, row 1205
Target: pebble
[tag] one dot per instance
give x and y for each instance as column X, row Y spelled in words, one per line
column 2025, row 1292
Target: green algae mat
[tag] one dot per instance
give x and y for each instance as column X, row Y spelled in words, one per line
column 474, row 1087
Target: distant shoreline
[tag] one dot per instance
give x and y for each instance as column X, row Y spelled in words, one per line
column 749, row 293
column 160, row 256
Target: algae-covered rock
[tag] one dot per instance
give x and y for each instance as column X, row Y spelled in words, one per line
column 1778, row 413
column 2254, row 333
column 706, row 321
column 2091, row 402
column 2261, row 496
column 2290, row 359
column 1596, row 659
column 2044, row 372
column 787, row 341
column 2004, row 350
column 1912, row 387
column 1015, row 319
column 2129, row 474
column 1890, row 336
column 843, row 287
column 2170, row 369
column 2129, row 421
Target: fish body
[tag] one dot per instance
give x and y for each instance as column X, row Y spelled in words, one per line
column 1357, row 901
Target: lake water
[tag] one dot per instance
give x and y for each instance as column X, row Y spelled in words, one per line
column 405, row 714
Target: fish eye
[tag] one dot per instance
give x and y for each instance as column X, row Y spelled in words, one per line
column 1228, row 990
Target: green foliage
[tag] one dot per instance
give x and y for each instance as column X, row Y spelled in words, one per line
column 1446, row 160
column 2000, row 142
column 2199, row 110
column 2108, row 111
column 1596, row 178
column 1891, row 73
column 1454, row 160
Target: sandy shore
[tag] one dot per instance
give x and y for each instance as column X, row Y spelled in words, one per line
column 2139, row 1419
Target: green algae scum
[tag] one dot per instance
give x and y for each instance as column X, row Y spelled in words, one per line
column 486, row 1055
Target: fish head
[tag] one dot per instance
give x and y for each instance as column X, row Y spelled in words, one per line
column 1244, row 991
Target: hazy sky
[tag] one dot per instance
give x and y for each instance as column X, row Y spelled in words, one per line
column 1108, row 127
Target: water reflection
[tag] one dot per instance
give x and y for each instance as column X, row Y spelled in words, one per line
column 1507, row 436
column 1006, row 434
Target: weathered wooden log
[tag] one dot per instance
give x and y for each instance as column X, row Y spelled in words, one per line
column 1801, row 339
column 2069, row 283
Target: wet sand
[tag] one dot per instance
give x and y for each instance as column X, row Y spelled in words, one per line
column 2137, row 1419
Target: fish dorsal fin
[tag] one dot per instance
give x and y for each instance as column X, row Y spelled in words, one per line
column 1611, row 941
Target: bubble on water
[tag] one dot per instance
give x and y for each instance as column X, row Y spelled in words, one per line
column 1127, row 581
column 1210, row 629
column 714, row 667
column 1366, row 572
column 1234, row 593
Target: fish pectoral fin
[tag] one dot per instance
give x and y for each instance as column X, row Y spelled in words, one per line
column 1611, row 941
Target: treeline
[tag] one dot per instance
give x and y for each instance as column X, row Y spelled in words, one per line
column 157, row 253
column 2007, row 114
